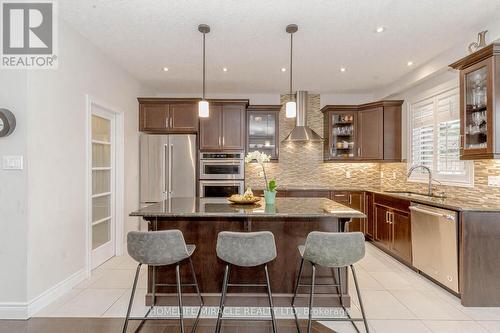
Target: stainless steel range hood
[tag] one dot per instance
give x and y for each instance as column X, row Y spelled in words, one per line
column 301, row 132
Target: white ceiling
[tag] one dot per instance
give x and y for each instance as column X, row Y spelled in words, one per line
column 248, row 37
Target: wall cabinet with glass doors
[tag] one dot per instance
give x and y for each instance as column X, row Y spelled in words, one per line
column 263, row 129
column 480, row 103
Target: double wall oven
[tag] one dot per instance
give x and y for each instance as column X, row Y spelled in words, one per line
column 221, row 174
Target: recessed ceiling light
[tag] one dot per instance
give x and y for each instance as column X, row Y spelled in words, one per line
column 224, row 69
column 380, row 29
column 283, row 69
column 409, row 63
column 165, row 69
column 343, row 69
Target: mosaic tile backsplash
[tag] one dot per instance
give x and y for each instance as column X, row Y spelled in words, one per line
column 301, row 165
column 481, row 193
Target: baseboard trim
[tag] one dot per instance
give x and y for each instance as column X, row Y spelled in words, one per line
column 21, row 310
column 13, row 311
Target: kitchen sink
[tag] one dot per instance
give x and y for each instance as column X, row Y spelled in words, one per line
column 410, row 193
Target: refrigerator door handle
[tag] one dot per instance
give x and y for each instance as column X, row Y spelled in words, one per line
column 166, row 164
column 170, row 164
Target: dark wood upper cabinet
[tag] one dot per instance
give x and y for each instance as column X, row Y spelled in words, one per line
column 480, row 103
column 168, row 115
column 211, row 129
column 371, row 133
column 224, row 129
column 153, row 117
column 361, row 133
column 184, row 117
column 263, row 129
column 233, row 126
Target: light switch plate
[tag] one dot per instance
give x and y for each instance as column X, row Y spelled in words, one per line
column 494, row 181
column 12, row 162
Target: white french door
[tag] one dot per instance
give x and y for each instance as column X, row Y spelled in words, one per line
column 103, row 180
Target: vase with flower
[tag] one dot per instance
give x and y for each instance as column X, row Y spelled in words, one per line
column 261, row 159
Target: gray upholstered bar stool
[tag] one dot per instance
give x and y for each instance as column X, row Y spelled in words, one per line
column 332, row 250
column 245, row 249
column 161, row 248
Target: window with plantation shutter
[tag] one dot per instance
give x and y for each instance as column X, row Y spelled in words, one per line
column 435, row 139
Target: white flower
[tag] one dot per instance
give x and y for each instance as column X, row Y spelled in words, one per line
column 257, row 156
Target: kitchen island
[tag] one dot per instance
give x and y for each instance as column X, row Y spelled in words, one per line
column 290, row 220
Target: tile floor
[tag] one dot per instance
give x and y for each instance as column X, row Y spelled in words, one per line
column 396, row 299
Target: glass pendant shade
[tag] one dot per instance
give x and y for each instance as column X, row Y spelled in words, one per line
column 203, row 109
column 291, row 110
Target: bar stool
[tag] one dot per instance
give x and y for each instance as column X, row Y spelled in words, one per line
column 161, row 248
column 245, row 249
column 332, row 250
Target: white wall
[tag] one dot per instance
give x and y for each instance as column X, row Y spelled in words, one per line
column 57, row 153
column 43, row 208
column 13, row 192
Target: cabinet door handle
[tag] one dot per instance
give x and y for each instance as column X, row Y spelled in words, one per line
column 350, row 199
column 359, row 151
column 391, row 216
column 219, row 142
column 167, row 121
column 386, row 217
column 223, row 141
column 171, row 122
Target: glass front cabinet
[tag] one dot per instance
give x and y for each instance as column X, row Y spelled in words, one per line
column 263, row 129
column 480, row 103
column 341, row 125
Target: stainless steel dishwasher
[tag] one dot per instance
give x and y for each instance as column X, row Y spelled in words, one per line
column 434, row 233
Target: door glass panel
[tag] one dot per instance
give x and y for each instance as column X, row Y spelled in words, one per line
column 101, row 129
column 214, row 191
column 101, row 155
column 101, row 180
column 262, row 133
column 476, row 110
column 101, row 233
column 343, row 135
column 221, row 169
column 101, row 208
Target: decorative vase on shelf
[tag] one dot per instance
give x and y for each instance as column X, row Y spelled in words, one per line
column 270, row 197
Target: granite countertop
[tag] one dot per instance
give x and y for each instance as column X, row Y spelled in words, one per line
column 453, row 203
column 220, row 207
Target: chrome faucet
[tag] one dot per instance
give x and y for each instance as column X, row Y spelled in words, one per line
column 429, row 192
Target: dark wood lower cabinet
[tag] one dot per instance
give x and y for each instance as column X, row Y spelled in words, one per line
column 370, row 220
column 401, row 235
column 382, row 227
column 392, row 226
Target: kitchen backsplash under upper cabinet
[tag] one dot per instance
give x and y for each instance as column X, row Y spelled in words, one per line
column 479, row 103
column 361, row 133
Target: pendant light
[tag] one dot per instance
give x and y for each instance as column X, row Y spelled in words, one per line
column 203, row 108
column 291, row 105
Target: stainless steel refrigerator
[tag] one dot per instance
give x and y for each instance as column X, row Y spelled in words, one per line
column 167, row 167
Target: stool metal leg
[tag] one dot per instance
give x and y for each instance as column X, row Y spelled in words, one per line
column 270, row 295
column 298, row 282
column 199, row 296
column 129, row 309
column 179, row 295
column 358, row 292
column 311, row 296
column 222, row 299
column 154, row 288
